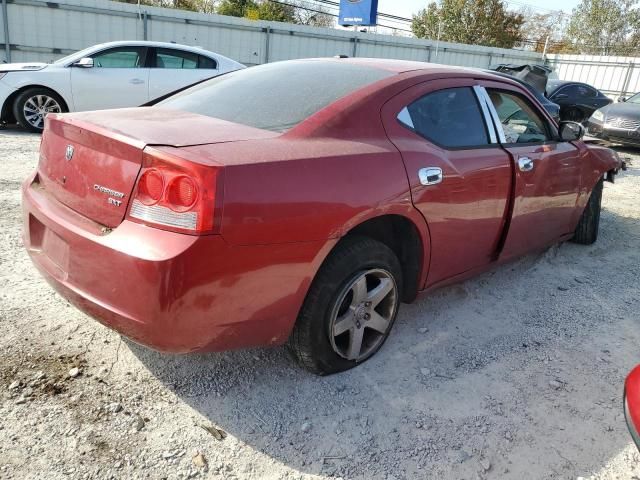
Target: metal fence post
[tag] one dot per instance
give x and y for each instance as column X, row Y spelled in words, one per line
column 145, row 30
column 267, row 44
column 355, row 47
column 627, row 79
column 5, row 21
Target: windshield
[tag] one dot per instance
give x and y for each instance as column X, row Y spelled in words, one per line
column 78, row 55
column 634, row 99
column 276, row 96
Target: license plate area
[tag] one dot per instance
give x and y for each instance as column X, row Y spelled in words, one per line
column 49, row 243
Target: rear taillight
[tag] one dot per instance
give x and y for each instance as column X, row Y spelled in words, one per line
column 175, row 194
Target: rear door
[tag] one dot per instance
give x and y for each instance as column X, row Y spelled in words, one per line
column 460, row 177
column 547, row 173
column 118, row 79
column 173, row 69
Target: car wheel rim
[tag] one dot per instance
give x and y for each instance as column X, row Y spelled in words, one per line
column 363, row 313
column 37, row 107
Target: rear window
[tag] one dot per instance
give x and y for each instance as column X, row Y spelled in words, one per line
column 275, row 96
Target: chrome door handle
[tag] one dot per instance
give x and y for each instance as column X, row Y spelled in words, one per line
column 430, row 175
column 136, row 81
column 525, row 164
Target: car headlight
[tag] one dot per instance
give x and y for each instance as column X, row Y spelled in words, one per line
column 598, row 115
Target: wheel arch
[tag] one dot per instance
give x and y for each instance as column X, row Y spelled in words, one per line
column 6, row 113
column 406, row 239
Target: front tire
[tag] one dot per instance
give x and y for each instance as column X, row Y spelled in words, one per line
column 350, row 307
column 32, row 106
column 587, row 230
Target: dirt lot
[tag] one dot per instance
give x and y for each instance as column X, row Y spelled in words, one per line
column 516, row 374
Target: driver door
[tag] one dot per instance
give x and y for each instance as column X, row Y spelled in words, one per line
column 547, row 173
column 117, row 79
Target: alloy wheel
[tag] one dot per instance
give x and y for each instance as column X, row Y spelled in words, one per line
column 363, row 313
column 37, row 107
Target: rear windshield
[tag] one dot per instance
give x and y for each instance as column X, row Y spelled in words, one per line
column 275, row 96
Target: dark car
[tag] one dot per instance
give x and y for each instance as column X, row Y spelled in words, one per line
column 549, row 106
column 577, row 100
column 617, row 123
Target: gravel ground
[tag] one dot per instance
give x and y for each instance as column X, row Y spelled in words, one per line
column 516, row 374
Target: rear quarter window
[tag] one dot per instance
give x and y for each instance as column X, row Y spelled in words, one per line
column 276, row 96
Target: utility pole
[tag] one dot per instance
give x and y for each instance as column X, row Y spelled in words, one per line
column 438, row 39
column 5, row 22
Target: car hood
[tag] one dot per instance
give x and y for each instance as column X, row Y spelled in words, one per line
column 626, row 110
column 22, row 67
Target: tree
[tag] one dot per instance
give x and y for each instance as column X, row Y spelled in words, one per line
column 274, row 11
column 604, row 27
column 204, row 6
column 544, row 29
column 481, row 22
column 236, row 8
column 315, row 15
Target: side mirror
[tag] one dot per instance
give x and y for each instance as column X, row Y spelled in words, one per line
column 622, row 99
column 85, row 62
column 570, row 131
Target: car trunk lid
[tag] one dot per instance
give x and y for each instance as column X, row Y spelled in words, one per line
column 90, row 161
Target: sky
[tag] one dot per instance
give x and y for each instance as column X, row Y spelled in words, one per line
column 404, row 8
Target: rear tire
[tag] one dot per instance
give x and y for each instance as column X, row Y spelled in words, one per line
column 32, row 105
column 350, row 307
column 587, row 230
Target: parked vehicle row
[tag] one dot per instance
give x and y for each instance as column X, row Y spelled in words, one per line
column 109, row 75
column 618, row 123
column 246, row 211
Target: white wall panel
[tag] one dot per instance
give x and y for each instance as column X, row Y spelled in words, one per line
column 613, row 75
column 44, row 31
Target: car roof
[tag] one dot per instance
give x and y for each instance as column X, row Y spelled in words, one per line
column 148, row 43
column 405, row 66
column 555, row 84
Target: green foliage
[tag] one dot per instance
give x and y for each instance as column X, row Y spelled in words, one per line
column 236, row 8
column 605, row 27
column 277, row 12
column 479, row 22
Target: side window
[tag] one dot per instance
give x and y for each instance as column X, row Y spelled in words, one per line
column 170, row 58
column 586, row 92
column 179, row 59
column 450, row 118
column 207, row 63
column 120, row 57
column 520, row 121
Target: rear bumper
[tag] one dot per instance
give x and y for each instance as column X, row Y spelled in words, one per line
column 172, row 292
column 614, row 135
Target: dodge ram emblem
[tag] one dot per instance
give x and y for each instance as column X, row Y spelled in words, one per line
column 69, row 152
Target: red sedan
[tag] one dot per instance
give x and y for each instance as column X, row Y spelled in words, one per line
column 301, row 202
column 632, row 404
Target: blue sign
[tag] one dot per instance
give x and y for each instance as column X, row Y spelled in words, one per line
column 358, row 12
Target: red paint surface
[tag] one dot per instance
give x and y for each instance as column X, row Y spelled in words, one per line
column 282, row 203
column 632, row 391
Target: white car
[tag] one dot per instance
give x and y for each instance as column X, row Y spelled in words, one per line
column 109, row 75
